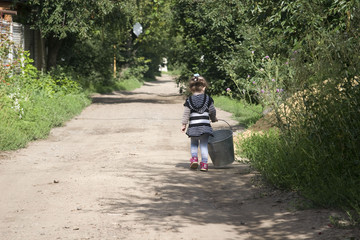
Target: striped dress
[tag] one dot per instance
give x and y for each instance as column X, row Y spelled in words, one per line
column 199, row 110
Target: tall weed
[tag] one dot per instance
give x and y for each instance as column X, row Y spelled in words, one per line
column 316, row 149
column 319, row 153
column 40, row 115
column 31, row 103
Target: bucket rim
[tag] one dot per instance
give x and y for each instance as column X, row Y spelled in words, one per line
column 228, row 130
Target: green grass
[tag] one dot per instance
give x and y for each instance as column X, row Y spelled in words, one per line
column 246, row 114
column 174, row 72
column 129, row 84
column 40, row 115
column 119, row 85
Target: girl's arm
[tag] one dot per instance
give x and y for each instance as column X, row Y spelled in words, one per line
column 212, row 113
column 185, row 118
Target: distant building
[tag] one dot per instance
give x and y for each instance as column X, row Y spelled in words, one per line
column 163, row 66
column 23, row 36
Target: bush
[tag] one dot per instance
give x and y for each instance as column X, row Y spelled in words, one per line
column 318, row 153
column 316, row 149
column 32, row 103
column 132, row 77
column 40, row 115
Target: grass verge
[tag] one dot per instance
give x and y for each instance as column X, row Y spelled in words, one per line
column 40, row 115
column 246, row 114
column 128, row 84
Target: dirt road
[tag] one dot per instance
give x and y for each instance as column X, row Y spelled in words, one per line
column 120, row 171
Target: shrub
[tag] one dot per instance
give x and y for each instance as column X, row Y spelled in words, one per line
column 32, row 102
column 10, row 57
column 40, row 115
column 316, row 150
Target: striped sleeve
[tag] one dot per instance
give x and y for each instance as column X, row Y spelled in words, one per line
column 212, row 112
column 186, row 115
column 211, row 101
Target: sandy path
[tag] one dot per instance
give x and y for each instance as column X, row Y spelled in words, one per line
column 120, row 171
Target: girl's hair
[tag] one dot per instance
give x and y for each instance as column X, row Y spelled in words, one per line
column 197, row 83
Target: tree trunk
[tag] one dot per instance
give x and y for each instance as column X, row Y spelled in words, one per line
column 40, row 55
column 54, row 45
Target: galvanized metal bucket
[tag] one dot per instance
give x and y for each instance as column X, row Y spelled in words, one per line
column 221, row 147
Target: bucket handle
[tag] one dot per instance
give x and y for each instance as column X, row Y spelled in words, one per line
column 226, row 123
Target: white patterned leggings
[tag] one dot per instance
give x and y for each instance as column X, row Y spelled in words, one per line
column 203, row 140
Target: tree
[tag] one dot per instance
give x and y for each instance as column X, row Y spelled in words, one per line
column 58, row 20
column 214, row 35
column 154, row 43
column 218, row 37
column 111, row 37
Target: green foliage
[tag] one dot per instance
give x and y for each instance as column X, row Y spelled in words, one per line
column 10, row 57
column 137, row 70
column 60, row 18
column 128, row 84
column 89, row 59
column 128, row 79
column 134, row 76
column 318, row 153
column 38, row 116
column 212, row 34
column 216, row 39
column 32, row 102
column 316, row 150
column 302, row 64
column 268, row 80
column 154, row 42
column 246, row 114
column 174, row 71
column 109, row 38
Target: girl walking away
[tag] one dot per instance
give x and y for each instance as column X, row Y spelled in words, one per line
column 198, row 111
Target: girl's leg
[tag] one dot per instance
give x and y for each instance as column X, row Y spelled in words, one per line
column 204, row 139
column 194, row 145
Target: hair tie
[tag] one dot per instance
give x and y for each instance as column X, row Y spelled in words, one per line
column 196, row 77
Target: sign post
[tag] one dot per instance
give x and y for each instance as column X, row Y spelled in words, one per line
column 137, row 29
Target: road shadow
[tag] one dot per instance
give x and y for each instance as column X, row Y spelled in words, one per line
column 136, row 97
column 220, row 196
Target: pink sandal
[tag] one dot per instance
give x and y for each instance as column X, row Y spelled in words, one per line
column 194, row 163
column 204, row 167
